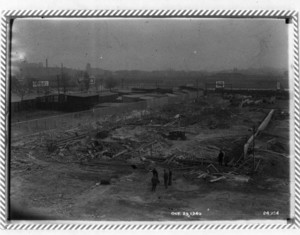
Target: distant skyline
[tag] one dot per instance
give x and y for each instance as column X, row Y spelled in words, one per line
column 153, row 44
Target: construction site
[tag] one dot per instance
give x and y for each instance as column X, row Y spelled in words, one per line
column 103, row 169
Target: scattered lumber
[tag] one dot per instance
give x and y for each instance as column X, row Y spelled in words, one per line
column 212, row 166
column 170, row 123
column 217, row 179
column 120, row 153
column 212, row 147
column 203, row 175
column 145, row 146
column 194, row 162
column 170, row 159
column 272, row 152
column 244, row 163
column 70, row 139
column 185, row 168
column 256, row 168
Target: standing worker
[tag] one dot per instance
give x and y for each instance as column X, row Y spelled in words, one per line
column 220, row 157
column 154, row 182
column 166, row 178
column 155, row 173
column 170, row 177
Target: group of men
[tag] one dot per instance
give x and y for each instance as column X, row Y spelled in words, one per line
column 222, row 159
column 155, row 179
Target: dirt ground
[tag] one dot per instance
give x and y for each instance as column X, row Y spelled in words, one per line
column 47, row 186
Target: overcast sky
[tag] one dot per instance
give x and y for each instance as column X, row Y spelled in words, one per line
column 153, row 44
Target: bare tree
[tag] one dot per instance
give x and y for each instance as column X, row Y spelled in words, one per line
column 65, row 80
column 19, row 87
column 83, row 81
column 110, row 83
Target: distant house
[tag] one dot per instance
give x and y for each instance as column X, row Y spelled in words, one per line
column 68, row 102
column 190, row 88
column 151, row 90
column 51, row 102
column 81, row 101
column 92, row 80
column 26, row 104
column 123, row 92
column 71, row 102
column 17, row 105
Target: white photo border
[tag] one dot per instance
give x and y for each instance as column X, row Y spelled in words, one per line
column 7, row 15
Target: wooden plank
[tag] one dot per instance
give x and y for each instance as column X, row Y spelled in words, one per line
column 212, row 165
column 217, row 179
column 120, row 153
column 257, row 165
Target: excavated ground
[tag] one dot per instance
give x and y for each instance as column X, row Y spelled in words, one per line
column 65, row 185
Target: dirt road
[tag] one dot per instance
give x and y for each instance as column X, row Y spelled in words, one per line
column 49, row 190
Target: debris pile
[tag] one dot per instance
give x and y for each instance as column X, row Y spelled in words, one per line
column 168, row 136
column 182, row 115
column 212, row 174
column 134, row 134
column 149, row 138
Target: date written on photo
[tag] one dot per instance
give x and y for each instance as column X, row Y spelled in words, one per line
column 185, row 213
column 270, row 213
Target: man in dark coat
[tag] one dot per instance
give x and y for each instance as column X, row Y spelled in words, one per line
column 154, row 182
column 170, row 177
column 220, row 157
column 155, row 173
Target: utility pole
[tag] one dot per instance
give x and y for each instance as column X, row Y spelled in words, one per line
column 62, row 79
column 101, row 85
column 253, row 142
column 197, row 82
column 57, row 83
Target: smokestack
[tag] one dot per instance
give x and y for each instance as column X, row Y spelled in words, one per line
column 46, row 63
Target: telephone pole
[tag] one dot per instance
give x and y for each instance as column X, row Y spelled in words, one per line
column 57, row 77
column 62, row 79
column 253, row 146
column 197, row 85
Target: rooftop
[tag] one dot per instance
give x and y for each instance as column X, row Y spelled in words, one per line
column 83, row 94
column 16, row 98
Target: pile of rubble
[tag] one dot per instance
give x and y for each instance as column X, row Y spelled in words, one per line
column 182, row 115
column 141, row 139
column 212, row 174
column 116, row 143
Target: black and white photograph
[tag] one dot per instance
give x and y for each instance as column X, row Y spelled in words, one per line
column 150, row 119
